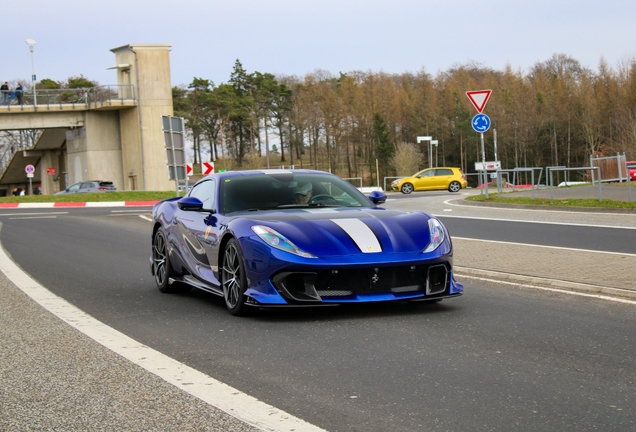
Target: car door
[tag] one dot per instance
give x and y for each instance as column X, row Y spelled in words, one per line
column 74, row 188
column 86, row 187
column 199, row 231
column 424, row 180
column 443, row 178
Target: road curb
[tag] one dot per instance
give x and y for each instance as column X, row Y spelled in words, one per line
column 545, row 283
column 79, row 204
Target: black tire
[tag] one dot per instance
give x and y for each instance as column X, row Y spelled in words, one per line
column 454, row 186
column 161, row 267
column 407, row 188
column 234, row 279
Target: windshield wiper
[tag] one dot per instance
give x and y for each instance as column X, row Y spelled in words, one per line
column 306, row 205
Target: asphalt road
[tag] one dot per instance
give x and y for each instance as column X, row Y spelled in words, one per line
column 495, row 359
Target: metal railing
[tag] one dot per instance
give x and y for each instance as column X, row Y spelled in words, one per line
column 514, row 172
column 81, row 97
column 385, row 178
column 593, row 169
column 353, row 178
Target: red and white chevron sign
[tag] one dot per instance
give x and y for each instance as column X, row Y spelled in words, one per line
column 207, row 168
column 188, row 170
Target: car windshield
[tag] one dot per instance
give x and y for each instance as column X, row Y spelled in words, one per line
column 288, row 190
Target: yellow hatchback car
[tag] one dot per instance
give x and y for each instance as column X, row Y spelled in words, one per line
column 452, row 179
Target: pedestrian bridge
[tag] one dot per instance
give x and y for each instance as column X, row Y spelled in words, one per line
column 111, row 133
column 34, row 129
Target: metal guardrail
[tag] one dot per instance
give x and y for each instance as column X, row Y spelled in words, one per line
column 353, row 178
column 83, row 97
column 514, row 172
column 385, row 187
column 593, row 169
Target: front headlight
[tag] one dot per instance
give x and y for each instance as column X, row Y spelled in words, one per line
column 394, row 182
column 436, row 230
column 278, row 241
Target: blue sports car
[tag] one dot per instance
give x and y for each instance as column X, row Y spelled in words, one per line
column 288, row 238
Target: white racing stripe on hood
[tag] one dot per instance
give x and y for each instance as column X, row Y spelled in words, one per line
column 361, row 234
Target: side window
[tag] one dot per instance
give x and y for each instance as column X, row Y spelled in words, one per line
column 86, row 185
column 206, row 192
column 75, row 187
column 428, row 173
column 444, row 172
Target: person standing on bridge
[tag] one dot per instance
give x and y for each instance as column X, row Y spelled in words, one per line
column 5, row 92
column 18, row 93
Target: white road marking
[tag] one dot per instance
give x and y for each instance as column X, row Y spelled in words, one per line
column 34, row 217
column 145, row 217
column 220, row 395
column 574, row 293
column 544, row 246
column 123, row 214
column 538, row 222
column 129, row 211
column 32, row 214
column 546, row 210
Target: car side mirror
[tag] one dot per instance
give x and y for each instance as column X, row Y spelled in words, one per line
column 377, row 197
column 192, row 204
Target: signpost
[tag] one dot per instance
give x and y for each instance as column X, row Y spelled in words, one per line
column 481, row 123
column 174, row 141
column 479, row 99
column 30, row 169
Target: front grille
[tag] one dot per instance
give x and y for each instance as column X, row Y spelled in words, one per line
column 401, row 280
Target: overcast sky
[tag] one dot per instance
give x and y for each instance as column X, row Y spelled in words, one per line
column 295, row 37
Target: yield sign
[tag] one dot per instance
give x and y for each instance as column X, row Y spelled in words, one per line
column 479, row 98
column 207, row 168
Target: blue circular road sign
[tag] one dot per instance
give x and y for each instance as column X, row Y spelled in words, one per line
column 481, row 123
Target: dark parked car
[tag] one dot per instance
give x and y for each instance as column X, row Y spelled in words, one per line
column 297, row 238
column 89, row 186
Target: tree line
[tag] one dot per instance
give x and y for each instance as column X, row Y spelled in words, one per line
column 559, row 113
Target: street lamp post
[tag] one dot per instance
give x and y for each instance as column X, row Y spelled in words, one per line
column 430, row 148
column 31, row 44
column 430, row 151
